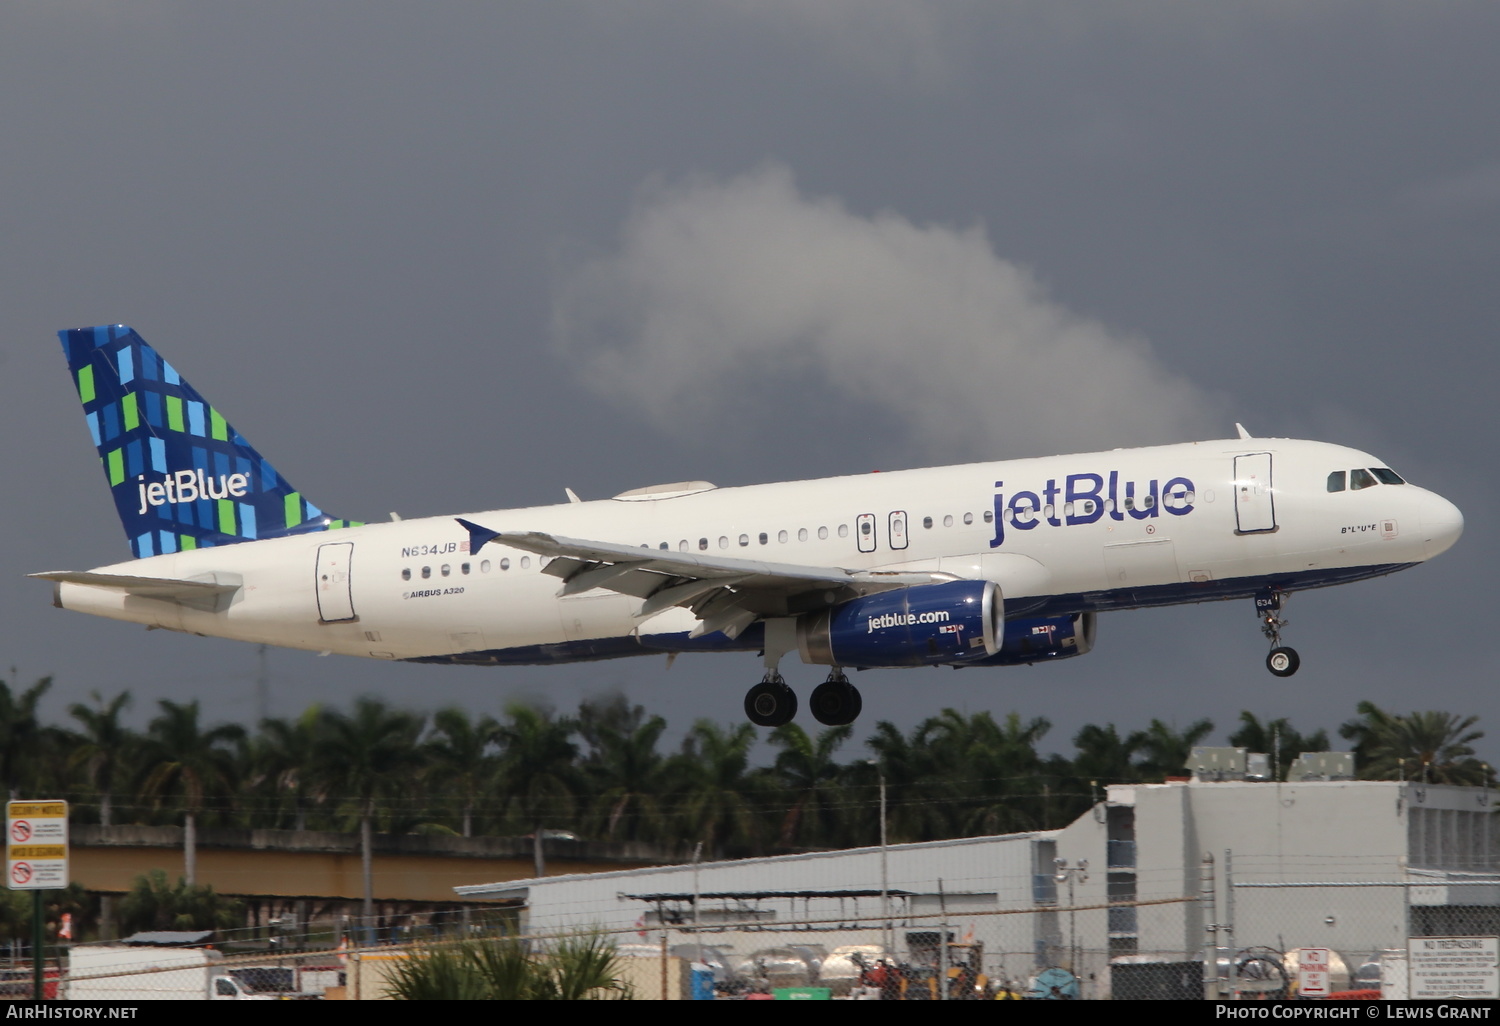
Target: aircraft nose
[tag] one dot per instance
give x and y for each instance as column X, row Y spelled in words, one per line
column 1442, row 523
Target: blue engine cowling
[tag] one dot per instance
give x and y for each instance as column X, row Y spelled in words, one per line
column 1040, row 639
column 929, row 625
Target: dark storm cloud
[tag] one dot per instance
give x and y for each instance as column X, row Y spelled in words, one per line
column 350, row 226
column 717, row 283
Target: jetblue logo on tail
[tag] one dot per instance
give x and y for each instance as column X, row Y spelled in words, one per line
column 182, row 477
column 190, row 486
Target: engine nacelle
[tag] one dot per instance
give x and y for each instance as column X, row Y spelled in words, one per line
column 1041, row 639
column 929, row 625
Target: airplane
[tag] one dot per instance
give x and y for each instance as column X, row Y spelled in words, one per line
column 984, row 564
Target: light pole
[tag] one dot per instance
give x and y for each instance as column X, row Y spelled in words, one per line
column 1072, row 875
column 886, row 939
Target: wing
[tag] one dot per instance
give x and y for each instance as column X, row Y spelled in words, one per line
column 726, row 594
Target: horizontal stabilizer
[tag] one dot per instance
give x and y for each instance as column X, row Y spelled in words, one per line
column 200, row 594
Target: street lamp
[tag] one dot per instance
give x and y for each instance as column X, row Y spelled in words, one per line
column 1071, row 875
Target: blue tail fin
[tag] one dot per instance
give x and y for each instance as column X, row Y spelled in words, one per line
column 182, row 478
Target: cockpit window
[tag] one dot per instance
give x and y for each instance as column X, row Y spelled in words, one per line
column 1336, row 481
column 1361, row 479
column 1386, row 475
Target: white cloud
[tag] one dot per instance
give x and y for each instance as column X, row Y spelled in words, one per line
column 719, row 287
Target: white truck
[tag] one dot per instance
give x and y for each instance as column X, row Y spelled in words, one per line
column 124, row 972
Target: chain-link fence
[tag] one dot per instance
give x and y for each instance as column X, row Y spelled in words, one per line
column 1237, row 939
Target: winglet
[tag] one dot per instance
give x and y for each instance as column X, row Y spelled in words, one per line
column 477, row 535
column 1241, row 429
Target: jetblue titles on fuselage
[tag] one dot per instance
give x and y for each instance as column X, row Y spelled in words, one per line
column 1085, row 499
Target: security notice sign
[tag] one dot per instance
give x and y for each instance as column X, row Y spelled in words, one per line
column 36, row 845
column 1454, row 967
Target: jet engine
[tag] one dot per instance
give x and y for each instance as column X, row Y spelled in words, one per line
column 929, row 625
column 1041, row 639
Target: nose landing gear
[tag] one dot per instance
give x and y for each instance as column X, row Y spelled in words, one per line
column 1282, row 661
column 835, row 702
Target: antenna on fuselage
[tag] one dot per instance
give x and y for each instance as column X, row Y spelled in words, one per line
column 1241, row 429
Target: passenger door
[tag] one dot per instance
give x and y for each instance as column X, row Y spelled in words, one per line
column 1254, row 501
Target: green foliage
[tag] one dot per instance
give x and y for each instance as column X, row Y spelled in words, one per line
column 154, row 904
column 503, row 969
column 605, row 773
column 1432, row 746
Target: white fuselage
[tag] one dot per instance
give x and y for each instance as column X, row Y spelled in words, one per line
column 1054, row 533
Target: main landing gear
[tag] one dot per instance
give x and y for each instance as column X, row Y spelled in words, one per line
column 771, row 703
column 1282, row 661
column 834, row 702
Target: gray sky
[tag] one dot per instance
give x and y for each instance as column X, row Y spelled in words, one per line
column 441, row 257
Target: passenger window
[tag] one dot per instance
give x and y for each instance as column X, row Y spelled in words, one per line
column 1360, row 479
column 948, row 520
column 927, row 522
column 406, row 574
column 1336, row 481
column 1386, row 475
column 464, row 568
column 822, row 533
column 781, row 536
column 989, row 516
column 663, row 546
column 447, row 569
column 1067, row 509
column 744, row 540
column 802, row 534
column 764, row 538
column 426, row 572
column 484, row 566
column 505, row 564
column 968, row 518
column 525, row 562
column 843, row 530
column 702, row 544
column 723, row 541
column 682, row 546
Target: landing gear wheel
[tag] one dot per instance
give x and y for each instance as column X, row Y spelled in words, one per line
column 835, row 702
column 1283, row 661
column 771, row 703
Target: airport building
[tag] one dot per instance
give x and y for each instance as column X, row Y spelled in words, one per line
column 1152, row 875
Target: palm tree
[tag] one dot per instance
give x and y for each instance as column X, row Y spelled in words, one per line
column 993, row 772
column 1431, row 746
column 22, row 739
column 537, row 775
column 713, row 774
column 916, row 792
column 1104, row 757
column 1166, row 750
column 180, row 756
column 104, row 748
column 806, row 772
column 626, row 774
column 461, row 750
column 286, row 756
column 370, row 754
